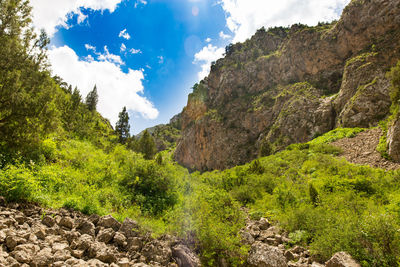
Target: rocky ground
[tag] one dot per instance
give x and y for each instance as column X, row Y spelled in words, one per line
column 270, row 248
column 33, row 236
column 361, row 149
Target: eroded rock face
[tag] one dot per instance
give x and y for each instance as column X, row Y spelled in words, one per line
column 286, row 86
column 393, row 140
column 64, row 238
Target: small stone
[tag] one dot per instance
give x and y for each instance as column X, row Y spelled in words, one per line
column 264, row 224
column 77, row 253
column 124, row 262
column 342, row 259
column 289, row 255
column 48, row 221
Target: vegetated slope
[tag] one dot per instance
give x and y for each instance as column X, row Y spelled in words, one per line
column 288, row 85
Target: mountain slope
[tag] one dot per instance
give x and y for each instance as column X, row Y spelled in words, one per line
column 288, row 85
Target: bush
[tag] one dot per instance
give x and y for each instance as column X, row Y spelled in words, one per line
column 17, row 183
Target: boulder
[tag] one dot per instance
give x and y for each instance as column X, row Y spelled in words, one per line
column 157, row 251
column 129, row 228
column 184, row 257
column 86, row 227
column 48, row 221
column 263, row 255
column 109, row 222
column 105, row 235
column 66, row 222
column 342, row 259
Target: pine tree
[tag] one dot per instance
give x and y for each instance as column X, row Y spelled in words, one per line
column 92, row 98
column 147, row 145
column 122, row 127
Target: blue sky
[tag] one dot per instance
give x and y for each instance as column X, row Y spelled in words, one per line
column 147, row 55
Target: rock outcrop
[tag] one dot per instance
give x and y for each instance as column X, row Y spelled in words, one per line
column 32, row 236
column 287, row 85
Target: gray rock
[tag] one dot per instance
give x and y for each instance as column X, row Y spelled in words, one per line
column 263, row 255
column 120, row 239
column 86, row 227
column 105, row 235
column 342, row 259
column 129, row 228
column 264, row 224
column 184, row 257
column 66, row 222
column 109, row 222
column 48, row 221
column 157, row 251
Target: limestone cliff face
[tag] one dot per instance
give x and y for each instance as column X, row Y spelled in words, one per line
column 288, row 85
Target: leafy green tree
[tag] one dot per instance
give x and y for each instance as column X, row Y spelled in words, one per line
column 92, row 99
column 147, row 145
column 122, row 127
column 27, row 92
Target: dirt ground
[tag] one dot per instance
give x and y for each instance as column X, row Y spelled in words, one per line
column 361, row 149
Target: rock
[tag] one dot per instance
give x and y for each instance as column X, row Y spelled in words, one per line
column 78, row 253
column 25, row 253
column 141, row 264
column 124, row 262
column 393, row 139
column 289, row 255
column 66, row 222
column 13, row 240
column 86, row 227
column 263, row 255
column 342, row 259
column 129, row 228
column 62, row 255
column 94, row 218
column 184, row 257
column 157, row 251
column 297, row 250
column 105, row 235
column 264, row 224
column 247, row 238
column 40, row 233
column 48, row 221
column 96, row 263
column 109, row 222
column 120, row 239
column 43, row 258
column 82, row 243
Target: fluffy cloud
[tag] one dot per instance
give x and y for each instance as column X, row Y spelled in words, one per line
column 124, row 34
column 116, row 88
column 244, row 17
column 123, row 47
column 222, row 35
column 207, row 55
column 48, row 14
column 135, row 51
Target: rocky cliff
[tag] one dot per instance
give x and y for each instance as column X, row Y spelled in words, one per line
column 288, row 85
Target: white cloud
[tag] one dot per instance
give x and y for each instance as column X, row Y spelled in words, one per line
column 90, row 47
column 160, row 59
column 116, row 89
column 143, row 2
column 48, row 14
column 224, row 36
column 124, row 34
column 244, row 17
column 107, row 56
column 207, row 55
column 123, row 47
column 208, row 40
column 135, row 51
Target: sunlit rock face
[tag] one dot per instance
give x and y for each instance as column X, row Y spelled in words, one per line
column 288, row 85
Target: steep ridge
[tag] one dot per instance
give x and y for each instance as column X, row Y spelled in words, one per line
column 288, row 85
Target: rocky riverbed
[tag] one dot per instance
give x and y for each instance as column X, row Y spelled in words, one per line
column 33, row 236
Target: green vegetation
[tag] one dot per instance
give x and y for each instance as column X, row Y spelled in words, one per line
column 58, row 151
column 122, row 126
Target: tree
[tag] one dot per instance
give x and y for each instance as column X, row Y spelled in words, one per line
column 122, row 126
column 27, row 92
column 92, row 98
column 147, row 145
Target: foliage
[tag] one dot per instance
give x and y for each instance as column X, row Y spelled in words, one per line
column 91, row 99
column 122, row 127
column 336, row 134
column 146, row 145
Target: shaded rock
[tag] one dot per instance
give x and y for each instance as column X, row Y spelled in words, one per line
column 48, row 221
column 86, row 227
column 120, row 239
column 66, row 222
column 13, row 240
column 342, row 259
column 157, row 251
column 184, row 257
column 94, row 218
column 129, row 228
column 83, row 242
column 263, row 255
column 105, row 235
column 264, row 224
column 109, row 221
